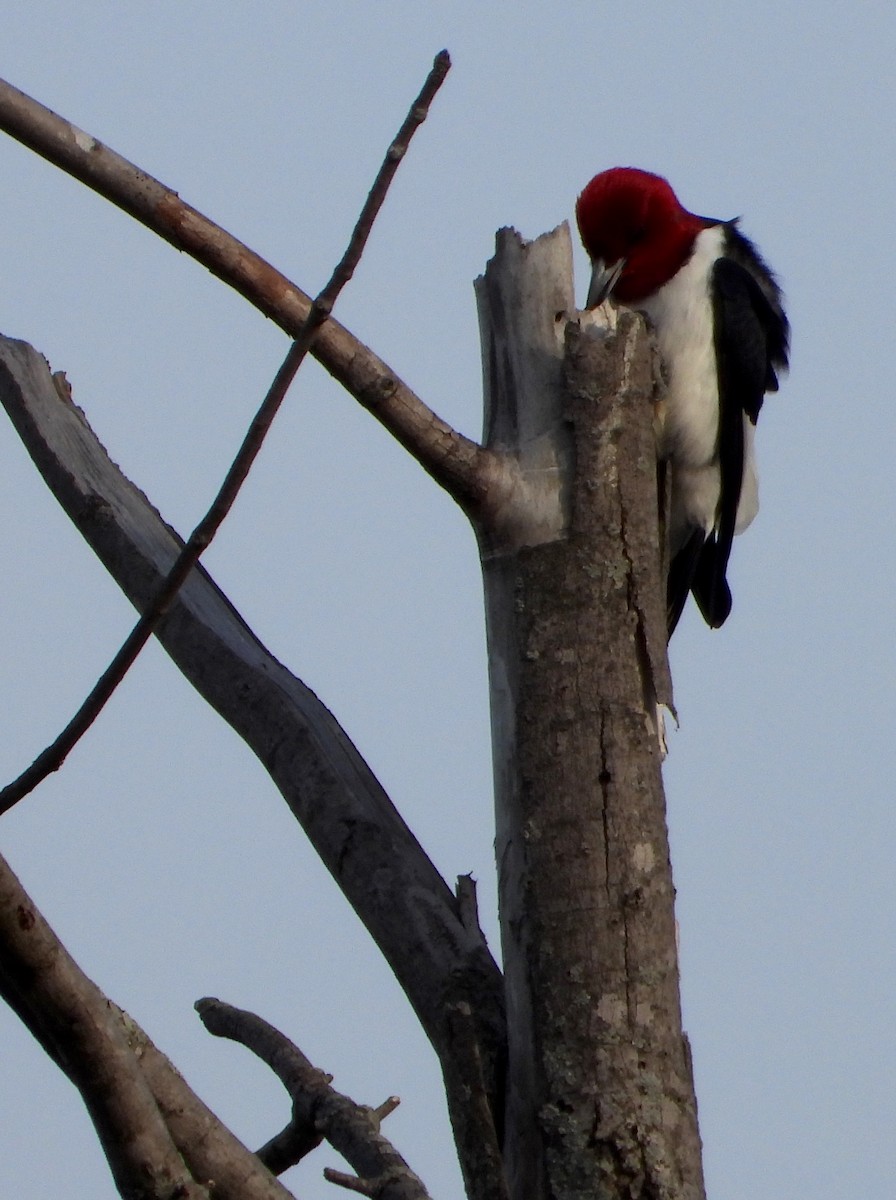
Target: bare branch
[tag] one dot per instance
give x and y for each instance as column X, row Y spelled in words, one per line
column 462, row 467
column 52, row 758
column 265, row 1041
column 72, row 1020
column 386, row 1109
column 288, row 1147
column 90, row 1038
column 465, row 891
column 350, row 1182
column 208, row 1146
column 396, row 152
column 350, row 1128
column 287, row 1062
column 405, row 904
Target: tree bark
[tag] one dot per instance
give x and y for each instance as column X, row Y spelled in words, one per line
column 600, row 1096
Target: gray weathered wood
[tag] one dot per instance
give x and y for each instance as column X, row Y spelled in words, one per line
column 440, row 959
column 600, row 1098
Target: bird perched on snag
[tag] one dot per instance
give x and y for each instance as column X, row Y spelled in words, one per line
column 716, row 309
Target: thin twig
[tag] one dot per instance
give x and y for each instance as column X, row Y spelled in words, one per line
column 52, row 758
column 350, row 1182
column 385, row 1109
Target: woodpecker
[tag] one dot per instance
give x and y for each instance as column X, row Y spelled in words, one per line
column 716, row 310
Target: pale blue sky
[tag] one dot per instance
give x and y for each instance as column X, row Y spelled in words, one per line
column 161, row 852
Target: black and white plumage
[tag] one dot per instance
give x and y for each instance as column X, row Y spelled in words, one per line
column 716, row 310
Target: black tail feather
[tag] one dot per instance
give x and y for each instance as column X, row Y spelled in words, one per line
column 699, row 567
column 681, row 574
column 709, row 585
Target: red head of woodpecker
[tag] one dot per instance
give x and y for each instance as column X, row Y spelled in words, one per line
column 716, row 310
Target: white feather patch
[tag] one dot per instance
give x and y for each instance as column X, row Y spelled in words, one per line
column 681, row 313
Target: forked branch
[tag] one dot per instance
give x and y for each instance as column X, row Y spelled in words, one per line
column 351, row 1129
column 455, row 462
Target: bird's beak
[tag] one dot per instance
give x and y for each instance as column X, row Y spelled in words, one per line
column 603, row 280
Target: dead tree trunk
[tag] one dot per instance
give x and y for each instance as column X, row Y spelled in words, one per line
column 600, row 1099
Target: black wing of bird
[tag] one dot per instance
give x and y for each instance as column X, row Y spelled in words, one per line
column 751, row 341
